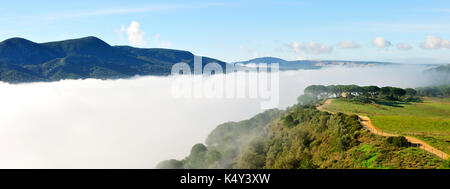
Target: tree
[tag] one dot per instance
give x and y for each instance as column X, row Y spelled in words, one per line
column 397, row 92
column 428, row 91
column 372, row 90
column 318, row 91
column 253, row 157
column 352, row 90
column 385, row 91
column 410, row 92
column 197, row 157
column 339, row 89
column 446, row 90
column 333, row 90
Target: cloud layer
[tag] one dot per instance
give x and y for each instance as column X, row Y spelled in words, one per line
column 135, row 123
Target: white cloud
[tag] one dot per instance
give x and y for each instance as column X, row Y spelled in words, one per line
column 434, row 42
column 348, row 45
column 404, row 46
column 381, row 42
column 135, row 34
column 311, row 47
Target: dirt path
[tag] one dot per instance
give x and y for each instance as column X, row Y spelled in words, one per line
column 326, row 103
column 367, row 123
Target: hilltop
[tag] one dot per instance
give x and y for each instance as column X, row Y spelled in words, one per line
column 22, row 60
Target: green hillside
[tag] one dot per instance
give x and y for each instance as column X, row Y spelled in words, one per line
column 428, row 120
column 302, row 137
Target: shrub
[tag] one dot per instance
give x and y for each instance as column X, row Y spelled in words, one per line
column 446, row 164
column 170, row 164
column 398, row 141
column 197, row 157
column 413, row 99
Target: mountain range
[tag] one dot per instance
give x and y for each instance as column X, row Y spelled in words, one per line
column 308, row 64
column 22, row 60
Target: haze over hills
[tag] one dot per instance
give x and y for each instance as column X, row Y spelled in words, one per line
column 440, row 75
column 309, row 64
column 22, row 60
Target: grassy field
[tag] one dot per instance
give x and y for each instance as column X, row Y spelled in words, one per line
column 428, row 120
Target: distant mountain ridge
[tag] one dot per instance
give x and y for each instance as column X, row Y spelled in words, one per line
column 22, row 60
column 309, row 64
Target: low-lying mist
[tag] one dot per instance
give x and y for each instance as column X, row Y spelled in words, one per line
column 136, row 123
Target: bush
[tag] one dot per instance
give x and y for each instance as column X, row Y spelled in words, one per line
column 196, row 160
column 446, row 164
column 413, row 99
column 398, row 141
column 170, row 164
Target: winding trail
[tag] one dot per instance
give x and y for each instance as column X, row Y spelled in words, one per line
column 367, row 123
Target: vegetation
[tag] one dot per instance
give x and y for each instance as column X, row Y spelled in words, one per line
column 428, row 120
column 22, row 60
column 398, row 141
column 363, row 94
column 434, row 91
column 412, row 112
column 304, row 138
column 225, row 142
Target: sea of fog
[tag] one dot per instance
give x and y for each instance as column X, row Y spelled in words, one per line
column 136, row 123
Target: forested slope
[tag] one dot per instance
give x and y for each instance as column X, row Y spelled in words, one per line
column 302, row 138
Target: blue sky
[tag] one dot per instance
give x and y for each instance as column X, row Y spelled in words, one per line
column 400, row 31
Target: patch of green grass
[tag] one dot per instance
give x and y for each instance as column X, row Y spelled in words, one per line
column 413, row 125
column 431, row 107
column 428, row 120
column 369, row 158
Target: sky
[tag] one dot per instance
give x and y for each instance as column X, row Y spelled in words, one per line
column 404, row 31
